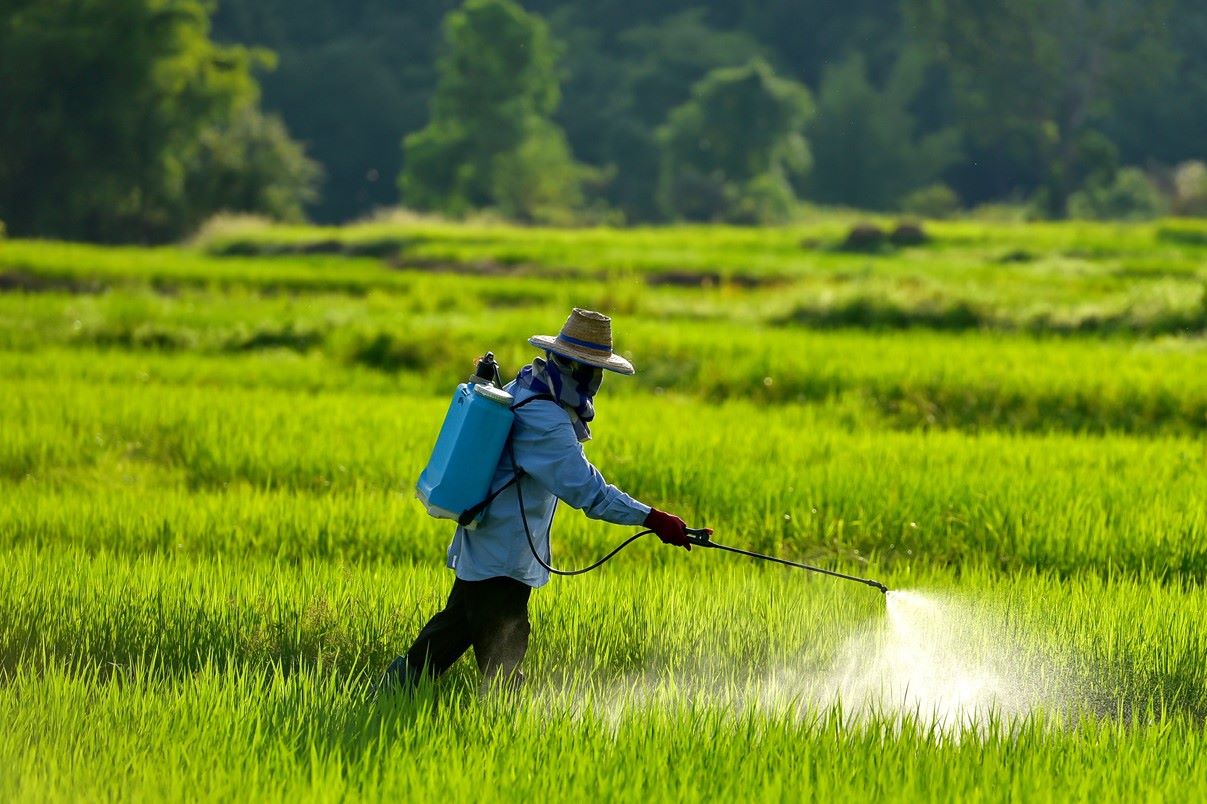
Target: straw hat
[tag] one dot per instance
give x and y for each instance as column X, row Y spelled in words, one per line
column 587, row 338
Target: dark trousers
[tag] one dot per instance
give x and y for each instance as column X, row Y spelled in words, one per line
column 490, row 615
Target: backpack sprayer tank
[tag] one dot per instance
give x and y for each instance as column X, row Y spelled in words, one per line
column 470, row 444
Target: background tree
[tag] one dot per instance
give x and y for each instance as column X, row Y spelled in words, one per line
column 865, row 143
column 626, row 64
column 618, row 93
column 351, row 109
column 105, row 104
column 731, row 151
column 354, row 77
column 490, row 131
column 1032, row 77
column 1048, row 97
column 1163, row 119
column 1027, row 84
column 249, row 164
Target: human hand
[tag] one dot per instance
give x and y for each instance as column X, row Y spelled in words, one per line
column 669, row 528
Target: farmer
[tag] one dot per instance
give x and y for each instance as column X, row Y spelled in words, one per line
column 494, row 563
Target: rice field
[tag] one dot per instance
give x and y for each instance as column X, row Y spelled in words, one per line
column 210, row 547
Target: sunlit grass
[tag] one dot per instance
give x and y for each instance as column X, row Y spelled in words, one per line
column 291, row 473
column 252, row 679
column 210, row 549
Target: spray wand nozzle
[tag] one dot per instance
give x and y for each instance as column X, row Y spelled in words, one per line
column 702, row 537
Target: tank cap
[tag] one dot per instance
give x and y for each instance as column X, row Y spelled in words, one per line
column 494, row 394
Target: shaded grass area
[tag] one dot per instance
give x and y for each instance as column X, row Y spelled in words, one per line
column 1159, row 312
column 687, row 246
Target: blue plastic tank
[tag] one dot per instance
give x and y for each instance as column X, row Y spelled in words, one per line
column 467, row 452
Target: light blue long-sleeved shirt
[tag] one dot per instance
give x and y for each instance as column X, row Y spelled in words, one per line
column 556, row 468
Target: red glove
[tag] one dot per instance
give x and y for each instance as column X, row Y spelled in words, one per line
column 668, row 527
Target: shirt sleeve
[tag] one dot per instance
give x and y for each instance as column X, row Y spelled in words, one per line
column 546, row 448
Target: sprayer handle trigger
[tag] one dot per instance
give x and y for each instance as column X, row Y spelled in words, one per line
column 699, row 536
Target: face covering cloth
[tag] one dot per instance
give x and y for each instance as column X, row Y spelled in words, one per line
column 572, row 384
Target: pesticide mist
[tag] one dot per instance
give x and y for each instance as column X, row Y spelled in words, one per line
column 940, row 662
column 935, row 660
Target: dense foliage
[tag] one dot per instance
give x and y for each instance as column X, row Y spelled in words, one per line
column 999, row 101
column 123, row 121
column 490, row 142
column 730, row 151
column 869, row 151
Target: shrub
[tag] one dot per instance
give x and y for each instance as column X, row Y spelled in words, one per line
column 767, row 198
column 248, row 165
column 1190, row 189
column 934, row 201
column 865, row 237
column 908, row 233
column 1130, row 196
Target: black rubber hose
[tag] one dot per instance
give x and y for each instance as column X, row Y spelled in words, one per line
column 532, row 543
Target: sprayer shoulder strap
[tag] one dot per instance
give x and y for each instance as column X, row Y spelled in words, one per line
column 519, row 471
column 469, row 514
column 534, row 398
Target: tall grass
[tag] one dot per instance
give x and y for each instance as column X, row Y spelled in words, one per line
column 209, row 548
column 250, row 680
column 969, row 381
column 287, row 473
column 1074, row 278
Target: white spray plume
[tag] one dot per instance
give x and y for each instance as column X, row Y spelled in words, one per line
column 938, row 661
column 932, row 659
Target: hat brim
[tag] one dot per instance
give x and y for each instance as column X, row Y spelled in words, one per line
column 612, row 362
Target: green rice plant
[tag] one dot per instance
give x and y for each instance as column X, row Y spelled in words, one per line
column 928, row 379
column 250, row 681
column 288, row 473
column 209, row 547
column 1076, row 277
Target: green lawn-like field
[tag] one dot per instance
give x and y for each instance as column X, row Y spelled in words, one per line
column 210, row 550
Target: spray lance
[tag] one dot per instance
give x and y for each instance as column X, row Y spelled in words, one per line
column 455, row 484
column 701, row 537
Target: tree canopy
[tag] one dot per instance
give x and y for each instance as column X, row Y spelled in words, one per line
column 127, row 119
column 730, row 151
column 869, row 152
column 491, row 142
column 1032, row 78
column 111, row 110
column 1018, row 96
